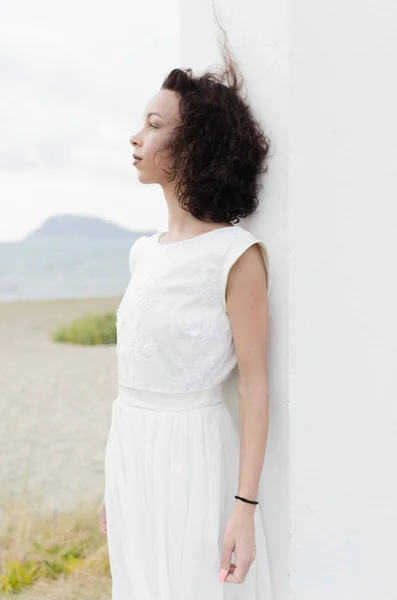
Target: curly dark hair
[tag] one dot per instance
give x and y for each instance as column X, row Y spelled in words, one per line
column 218, row 150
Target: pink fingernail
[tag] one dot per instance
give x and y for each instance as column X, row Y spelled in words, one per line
column 222, row 575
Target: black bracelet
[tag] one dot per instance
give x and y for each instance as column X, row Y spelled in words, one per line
column 245, row 500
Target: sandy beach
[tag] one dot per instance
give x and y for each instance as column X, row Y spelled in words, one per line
column 55, row 405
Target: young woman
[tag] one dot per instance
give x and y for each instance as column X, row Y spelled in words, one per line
column 181, row 480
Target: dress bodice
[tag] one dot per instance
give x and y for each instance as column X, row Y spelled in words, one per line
column 173, row 331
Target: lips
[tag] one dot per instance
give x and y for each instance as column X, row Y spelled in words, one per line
column 137, row 159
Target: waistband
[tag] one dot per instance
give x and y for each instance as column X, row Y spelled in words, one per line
column 164, row 401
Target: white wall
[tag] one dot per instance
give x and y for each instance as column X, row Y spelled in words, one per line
column 342, row 323
column 321, row 76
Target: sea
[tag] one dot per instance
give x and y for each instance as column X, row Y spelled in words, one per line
column 50, row 269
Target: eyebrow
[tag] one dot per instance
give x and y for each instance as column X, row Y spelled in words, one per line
column 154, row 113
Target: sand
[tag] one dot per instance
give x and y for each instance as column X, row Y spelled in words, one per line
column 55, row 406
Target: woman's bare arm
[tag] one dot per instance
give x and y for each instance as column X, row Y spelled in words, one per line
column 247, row 308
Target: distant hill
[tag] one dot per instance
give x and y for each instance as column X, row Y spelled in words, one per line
column 64, row 227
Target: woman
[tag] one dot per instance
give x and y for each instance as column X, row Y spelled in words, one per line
column 181, row 481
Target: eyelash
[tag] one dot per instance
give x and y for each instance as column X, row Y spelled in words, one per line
column 153, row 126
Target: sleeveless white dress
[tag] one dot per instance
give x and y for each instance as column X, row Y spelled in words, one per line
column 172, row 454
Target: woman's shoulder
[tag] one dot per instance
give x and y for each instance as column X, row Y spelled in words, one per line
column 135, row 248
column 242, row 240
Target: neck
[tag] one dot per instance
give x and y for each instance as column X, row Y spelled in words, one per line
column 180, row 222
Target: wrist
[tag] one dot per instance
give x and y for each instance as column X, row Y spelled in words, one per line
column 244, row 508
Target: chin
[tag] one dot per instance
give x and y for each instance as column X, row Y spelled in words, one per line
column 147, row 177
column 143, row 178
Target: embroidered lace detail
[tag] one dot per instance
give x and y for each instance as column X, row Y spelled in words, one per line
column 195, row 329
column 172, row 330
column 194, row 372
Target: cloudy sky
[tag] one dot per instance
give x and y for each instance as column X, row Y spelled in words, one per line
column 75, row 78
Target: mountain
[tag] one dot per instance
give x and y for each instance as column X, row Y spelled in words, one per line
column 65, row 227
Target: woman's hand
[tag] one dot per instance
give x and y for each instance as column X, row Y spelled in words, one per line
column 239, row 537
column 102, row 519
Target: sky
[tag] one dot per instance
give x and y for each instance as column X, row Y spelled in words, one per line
column 75, row 78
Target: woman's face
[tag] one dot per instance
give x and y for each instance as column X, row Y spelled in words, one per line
column 159, row 120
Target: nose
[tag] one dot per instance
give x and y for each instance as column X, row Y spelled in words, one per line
column 134, row 140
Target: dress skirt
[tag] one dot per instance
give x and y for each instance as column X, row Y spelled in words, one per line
column 171, row 473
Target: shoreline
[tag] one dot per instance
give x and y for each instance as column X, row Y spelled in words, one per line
column 104, row 299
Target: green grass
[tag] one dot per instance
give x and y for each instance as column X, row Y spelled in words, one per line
column 89, row 330
column 63, row 557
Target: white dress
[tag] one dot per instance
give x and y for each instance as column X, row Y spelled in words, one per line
column 172, row 454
